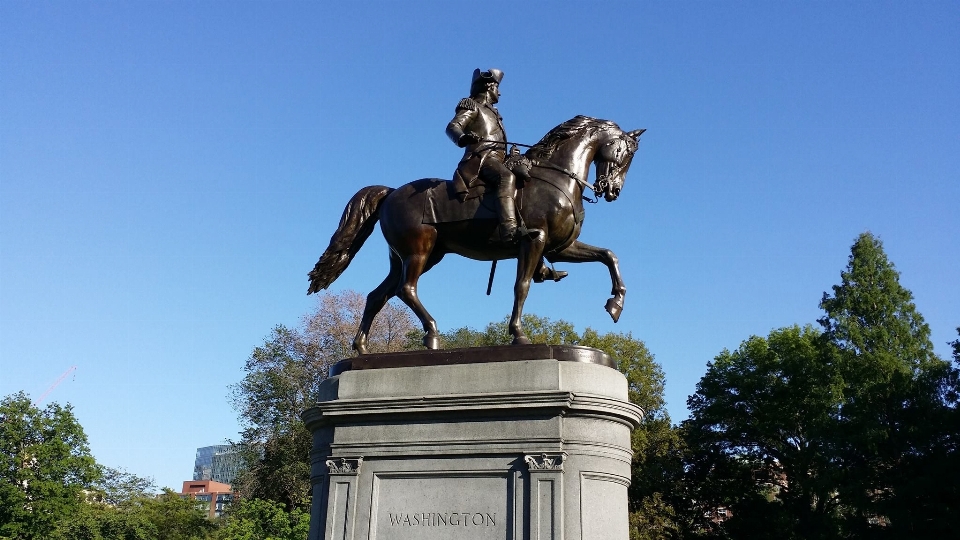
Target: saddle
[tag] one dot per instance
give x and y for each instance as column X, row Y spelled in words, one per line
column 480, row 201
column 442, row 205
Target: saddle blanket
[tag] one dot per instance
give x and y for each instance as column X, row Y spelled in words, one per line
column 442, row 205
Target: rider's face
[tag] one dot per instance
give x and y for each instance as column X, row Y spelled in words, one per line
column 494, row 90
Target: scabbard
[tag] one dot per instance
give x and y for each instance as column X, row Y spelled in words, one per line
column 493, row 270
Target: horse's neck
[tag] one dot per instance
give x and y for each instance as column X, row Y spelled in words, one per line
column 575, row 158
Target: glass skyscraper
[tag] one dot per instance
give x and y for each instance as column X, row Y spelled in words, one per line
column 220, row 463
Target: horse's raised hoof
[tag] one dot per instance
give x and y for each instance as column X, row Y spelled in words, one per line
column 521, row 340
column 614, row 307
column 431, row 341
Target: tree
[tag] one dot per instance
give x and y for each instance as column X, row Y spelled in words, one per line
column 175, row 517
column 847, row 433
column 45, row 466
column 762, row 422
column 256, row 519
column 117, row 486
column 282, row 379
column 163, row 517
column 98, row 521
column 956, row 348
column 893, row 385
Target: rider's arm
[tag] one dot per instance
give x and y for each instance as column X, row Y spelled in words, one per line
column 466, row 112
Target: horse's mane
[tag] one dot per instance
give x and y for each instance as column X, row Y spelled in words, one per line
column 558, row 135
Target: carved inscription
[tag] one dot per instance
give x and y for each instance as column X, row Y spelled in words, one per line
column 442, row 506
column 443, row 519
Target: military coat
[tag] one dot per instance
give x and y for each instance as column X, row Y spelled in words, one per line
column 485, row 121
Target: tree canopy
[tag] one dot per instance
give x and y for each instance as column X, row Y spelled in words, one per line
column 52, row 488
column 834, row 434
column 255, row 519
column 761, row 424
column 46, row 466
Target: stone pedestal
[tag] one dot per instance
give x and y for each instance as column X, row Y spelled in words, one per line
column 519, row 443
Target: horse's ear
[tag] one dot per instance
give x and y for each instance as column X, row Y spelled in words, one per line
column 636, row 133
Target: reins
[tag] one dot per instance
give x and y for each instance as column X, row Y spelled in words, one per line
column 547, row 165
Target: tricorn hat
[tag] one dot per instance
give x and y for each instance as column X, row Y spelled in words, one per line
column 494, row 75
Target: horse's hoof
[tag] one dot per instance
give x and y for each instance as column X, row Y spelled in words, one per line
column 361, row 348
column 614, row 307
column 431, row 341
column 521, row 340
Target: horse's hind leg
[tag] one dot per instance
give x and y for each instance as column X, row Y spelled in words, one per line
column 414, row 266
column 376, row 300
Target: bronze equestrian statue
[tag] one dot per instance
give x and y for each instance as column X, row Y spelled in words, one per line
column 424, row 220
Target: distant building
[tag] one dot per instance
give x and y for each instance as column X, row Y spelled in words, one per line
column 220, row 463
column 215, row 496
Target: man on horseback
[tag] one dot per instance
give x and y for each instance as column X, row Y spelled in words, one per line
column 477, row 127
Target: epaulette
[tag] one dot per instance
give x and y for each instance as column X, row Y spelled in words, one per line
column 467, row 103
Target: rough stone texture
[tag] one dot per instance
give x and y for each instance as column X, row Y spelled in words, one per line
column 521, row 450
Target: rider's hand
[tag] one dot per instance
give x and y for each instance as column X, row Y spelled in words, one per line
column 467, row 139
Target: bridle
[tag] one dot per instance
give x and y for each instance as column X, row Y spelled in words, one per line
column 628, row 145
column 603, row 180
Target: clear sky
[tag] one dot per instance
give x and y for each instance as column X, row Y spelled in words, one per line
column 170, row 171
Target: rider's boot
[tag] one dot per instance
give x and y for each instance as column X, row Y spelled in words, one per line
column 544, row 273
column 508, row 221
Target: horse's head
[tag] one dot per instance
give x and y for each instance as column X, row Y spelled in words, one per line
column 573, row 144
column 612, row 161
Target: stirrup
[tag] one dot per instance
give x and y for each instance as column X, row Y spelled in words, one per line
column 546, row 273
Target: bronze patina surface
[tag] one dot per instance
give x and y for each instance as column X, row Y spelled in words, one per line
column 475, row 355
column 537, row 196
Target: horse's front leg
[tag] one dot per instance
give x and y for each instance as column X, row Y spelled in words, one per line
column 578, row 252
column 531, row 249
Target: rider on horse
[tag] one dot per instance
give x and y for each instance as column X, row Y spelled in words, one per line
column 478, row 128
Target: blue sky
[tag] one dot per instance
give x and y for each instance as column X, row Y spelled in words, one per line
column 169, row 172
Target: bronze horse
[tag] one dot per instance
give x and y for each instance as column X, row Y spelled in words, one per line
column 551, row 208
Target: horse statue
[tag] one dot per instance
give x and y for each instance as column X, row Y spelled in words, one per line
column 424, row 220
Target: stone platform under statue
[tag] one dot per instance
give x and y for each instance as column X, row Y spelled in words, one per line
column 520, row 442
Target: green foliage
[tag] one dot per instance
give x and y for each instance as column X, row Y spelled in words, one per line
column 45, row 465
column 51, row 487
column 653, row 518
column 257, row 519
column 281, row 377
column 844, row 434
column 117, row 486
column 97, row 521
column 762, row 422
column 175, row 518
column 894, row 386
column 872, row 316
column 956, row 348
column 165, row 517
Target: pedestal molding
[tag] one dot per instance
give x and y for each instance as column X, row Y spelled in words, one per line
column 487, row 404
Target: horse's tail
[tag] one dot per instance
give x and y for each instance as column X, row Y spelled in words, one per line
column 356, row 224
